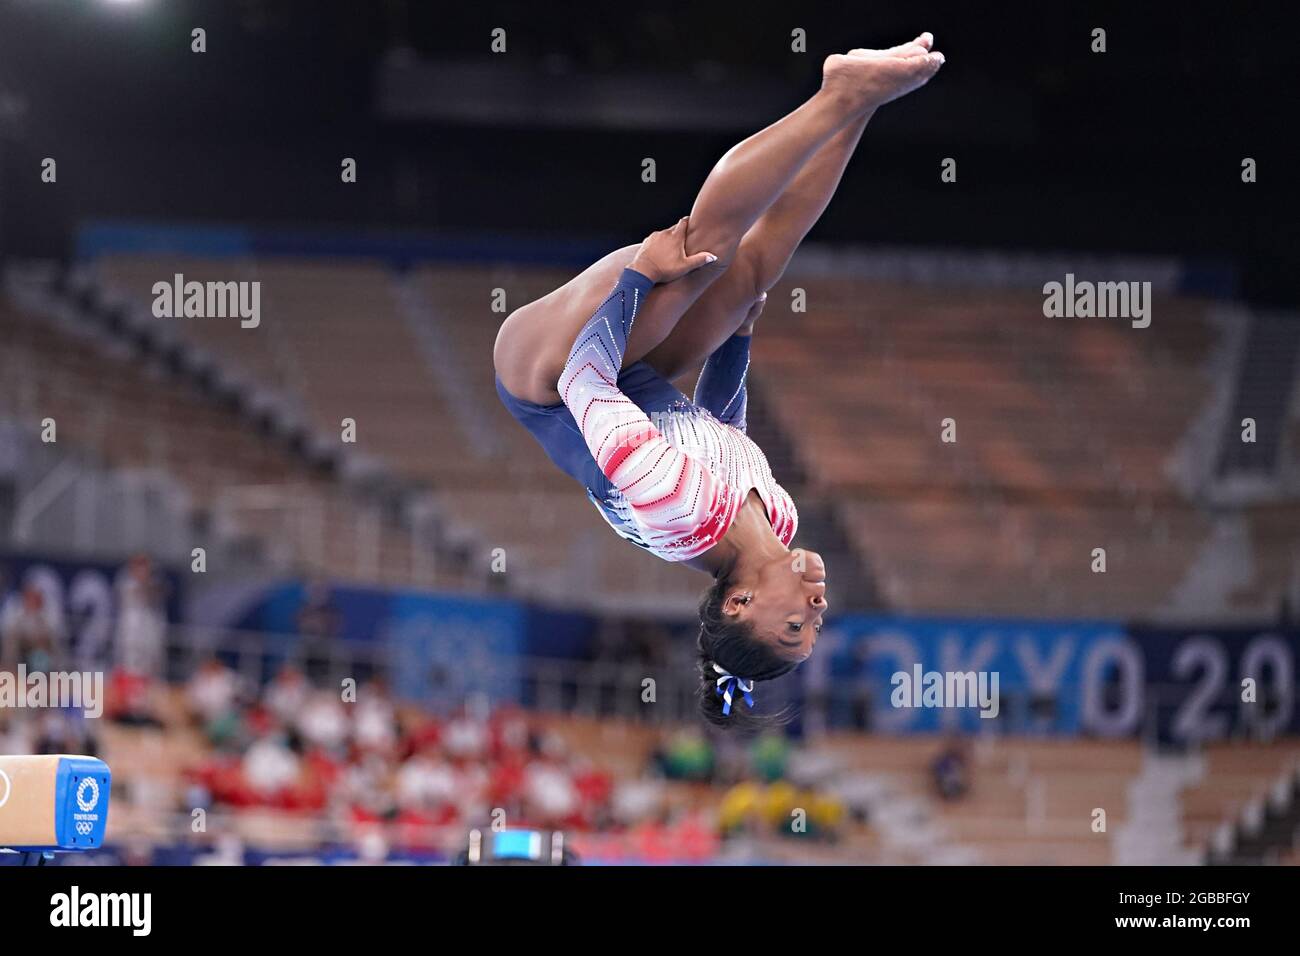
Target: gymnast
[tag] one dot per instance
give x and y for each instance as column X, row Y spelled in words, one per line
column 587, row 369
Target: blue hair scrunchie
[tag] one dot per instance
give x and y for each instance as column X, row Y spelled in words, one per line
column 727, row 684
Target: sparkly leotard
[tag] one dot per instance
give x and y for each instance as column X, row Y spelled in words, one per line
column 669, row 474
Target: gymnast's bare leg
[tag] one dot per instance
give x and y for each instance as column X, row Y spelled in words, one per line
column 781, row 169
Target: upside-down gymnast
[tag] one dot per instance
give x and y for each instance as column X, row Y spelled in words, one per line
column 587, row 369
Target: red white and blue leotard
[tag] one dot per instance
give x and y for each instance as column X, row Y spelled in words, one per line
column 671, row 474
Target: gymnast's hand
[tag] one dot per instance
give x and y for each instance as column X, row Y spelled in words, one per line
column 662, row 257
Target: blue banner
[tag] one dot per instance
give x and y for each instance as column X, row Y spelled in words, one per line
column 1210, row 683
column 448, row 646
column 1098, row 678
column 1038, row 673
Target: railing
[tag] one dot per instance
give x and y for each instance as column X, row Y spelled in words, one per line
column 583, row 688
column 70, row 503
column 618, row 690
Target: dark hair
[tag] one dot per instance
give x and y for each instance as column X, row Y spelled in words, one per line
column 733, row 646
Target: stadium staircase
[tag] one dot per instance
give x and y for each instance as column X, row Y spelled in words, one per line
column 1264, row 389
column 1153, row 833
column 1266, row 831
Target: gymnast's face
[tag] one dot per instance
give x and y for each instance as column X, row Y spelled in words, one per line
column 785, row 603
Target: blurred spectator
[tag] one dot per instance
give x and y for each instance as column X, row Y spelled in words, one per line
column 31, row 632
column 635, row 799
column 270, row 768
column 739, row 806
column 688, row 756
column 780, row 808
column 64, row 732
column 320, row 626
column 465, row 737
column 951, row 770
column 427, row 784
column 551, row 796
column 416, row 782
column 472, row 780
column 595, row 789
column 374, row 719
column 769, row 756
column 141, row 618
column 212, row 696
column 323, row 722
column 132, row 699
column 510, row 732
column 366, row 792
column 287, row 694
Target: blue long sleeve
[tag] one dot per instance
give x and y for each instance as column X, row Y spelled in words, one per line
column 604, row 337
column 721, row 386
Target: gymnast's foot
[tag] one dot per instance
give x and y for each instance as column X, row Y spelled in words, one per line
column 871, row 78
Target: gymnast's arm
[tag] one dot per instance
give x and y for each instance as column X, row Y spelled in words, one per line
column 669, row 490
column 630, row 451
column 721, row 387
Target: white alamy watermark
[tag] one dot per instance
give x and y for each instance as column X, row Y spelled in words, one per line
column 39, row 690
column 1103, row 300
column 961, row 689
column 208, row 300
column 133, row 911
column 625, row 428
